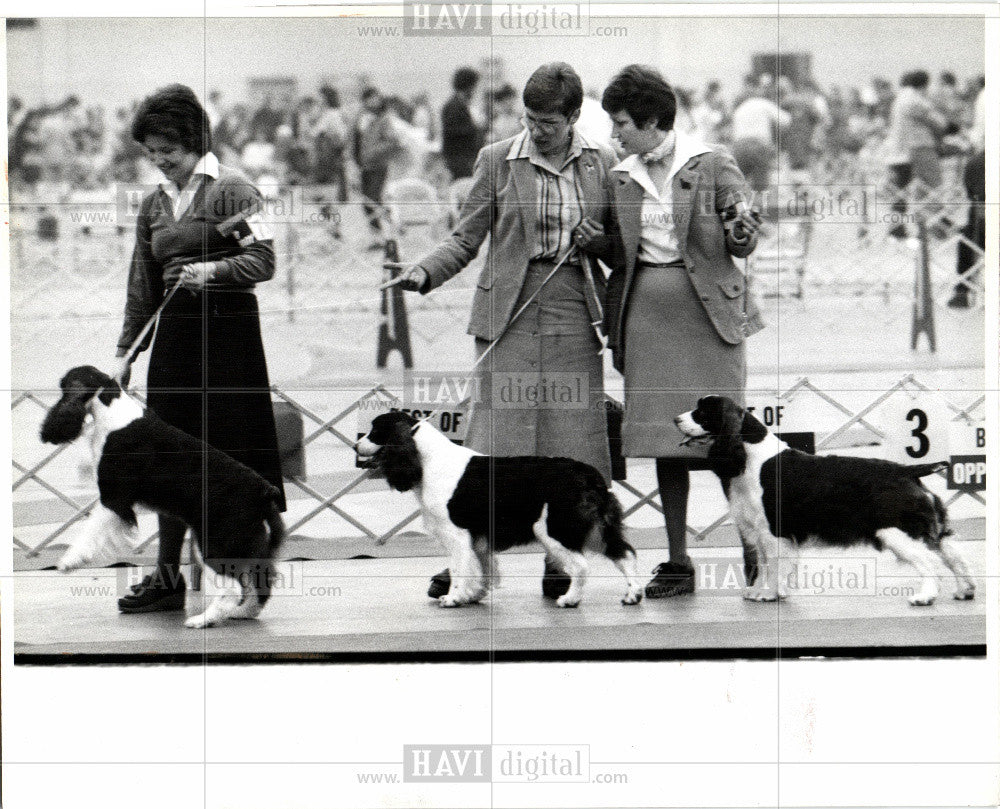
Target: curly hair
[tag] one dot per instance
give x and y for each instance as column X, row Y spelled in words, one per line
column 644, row 94
column 174, row 113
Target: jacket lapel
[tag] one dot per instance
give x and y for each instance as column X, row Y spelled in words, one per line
column 590, row 181
column 685, row 195
column 527, row 197
column 628, row 203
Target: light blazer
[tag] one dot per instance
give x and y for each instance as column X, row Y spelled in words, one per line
column 502, row 203
column 708, row 182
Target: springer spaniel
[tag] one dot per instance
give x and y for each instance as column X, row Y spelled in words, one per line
column 477, row 504
column 141, row 460
column 774, row 491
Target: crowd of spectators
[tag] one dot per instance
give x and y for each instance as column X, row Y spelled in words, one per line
column 325, row 139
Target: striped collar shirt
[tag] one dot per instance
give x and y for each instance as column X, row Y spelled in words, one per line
column 558, row 194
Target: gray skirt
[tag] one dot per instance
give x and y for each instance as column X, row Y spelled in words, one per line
column 673, row 356
column 541, row 388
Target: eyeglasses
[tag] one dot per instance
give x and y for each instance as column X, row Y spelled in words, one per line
column 544, row 126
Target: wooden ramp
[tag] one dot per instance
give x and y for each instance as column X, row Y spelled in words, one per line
column 376, row 610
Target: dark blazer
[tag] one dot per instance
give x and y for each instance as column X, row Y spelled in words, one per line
column 705, row 185
column 502, row 203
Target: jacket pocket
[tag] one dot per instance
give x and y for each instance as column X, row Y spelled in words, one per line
column 733, row 285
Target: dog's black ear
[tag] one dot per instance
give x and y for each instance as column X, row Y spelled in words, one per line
column 753, row 431
column 64, row 422
column 400, row 460
column 727, row 453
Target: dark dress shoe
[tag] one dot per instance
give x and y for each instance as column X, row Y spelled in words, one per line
column 160, row 591
column 671, row 579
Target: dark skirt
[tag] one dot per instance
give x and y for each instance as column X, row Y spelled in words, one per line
column 673, row 356
column 542, row 386
column 208, row 377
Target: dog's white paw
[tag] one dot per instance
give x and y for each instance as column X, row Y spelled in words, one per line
column 967, row 593
column 568, row 601
column 200, row 621
column 634, row 596
column 450, row 601
column 920, row 600
column 761, row 594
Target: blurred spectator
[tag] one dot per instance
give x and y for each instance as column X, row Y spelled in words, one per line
column 710, row 116
column 258, row 156
column 911, row 146
column 330, row 144
column 266, row 119
column 757, row 123
column 376, row 145
column 594, row 122
column 423, row 117
column 948, row 102
column 461, row 138
column 505, row 121
column 231, row 133
column 213, row 108
column 807, row 111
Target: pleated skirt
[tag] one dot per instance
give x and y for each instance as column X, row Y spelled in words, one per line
column 541, row 388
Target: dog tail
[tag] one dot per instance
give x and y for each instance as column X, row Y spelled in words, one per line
column 276, row 535
column 921, row 470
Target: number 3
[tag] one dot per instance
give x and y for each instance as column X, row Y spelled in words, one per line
column 923, row 443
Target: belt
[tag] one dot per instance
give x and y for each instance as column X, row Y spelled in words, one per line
column 552, row 261
column 651, row 266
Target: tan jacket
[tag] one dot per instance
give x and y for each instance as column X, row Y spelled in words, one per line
column 703, row 188
column 502, row 204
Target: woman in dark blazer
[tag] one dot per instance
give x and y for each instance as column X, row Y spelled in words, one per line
column 678, row 311
column 207, row 372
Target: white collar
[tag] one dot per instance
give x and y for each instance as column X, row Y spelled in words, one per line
column 685, row 148
column 208, row 165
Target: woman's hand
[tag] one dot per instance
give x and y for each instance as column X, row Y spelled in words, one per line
column 413, row 275
column 195, row 276
column 588, row 235
column 744, row 224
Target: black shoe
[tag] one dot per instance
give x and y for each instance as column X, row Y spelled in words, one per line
column 160, row 591
column 671, row 579
column 555, row 582
column 440, row 584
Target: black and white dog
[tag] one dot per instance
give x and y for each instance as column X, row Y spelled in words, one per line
column 141, row 460
column 477, row 504
column 777, row 492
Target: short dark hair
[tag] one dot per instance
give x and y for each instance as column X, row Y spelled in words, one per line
column 174, row 113
column 371, row 92
column 330, row 96
column 644, row 94
column 503, row 92
column 465, row 79
column 917, row 79
column 555, row 86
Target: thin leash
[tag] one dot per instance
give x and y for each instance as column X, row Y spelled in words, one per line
column 566, row 256
column 154, row 318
